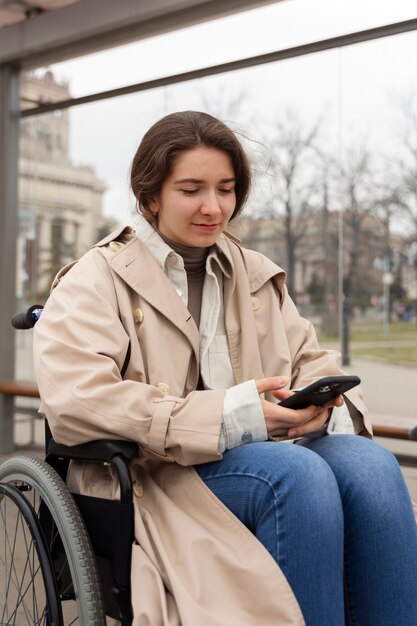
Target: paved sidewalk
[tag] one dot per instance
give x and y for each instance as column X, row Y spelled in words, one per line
column 389, row 390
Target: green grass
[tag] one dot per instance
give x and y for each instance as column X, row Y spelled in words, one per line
column 375, row 332
column 364, row 340
column 395, row 356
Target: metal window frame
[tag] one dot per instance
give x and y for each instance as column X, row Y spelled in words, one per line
column 9, row 145
column 88, row 26
column 9, row 138
column 331, row 43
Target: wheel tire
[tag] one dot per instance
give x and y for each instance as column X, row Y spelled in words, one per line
column 42, row 487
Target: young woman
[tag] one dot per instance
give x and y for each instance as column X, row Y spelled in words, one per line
column 234, row 523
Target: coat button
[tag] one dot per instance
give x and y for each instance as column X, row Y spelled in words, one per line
column 137, row 488
column 138, row 316
column 115, row 245
column 255, row 304
column 164, row 388
column 246, row 437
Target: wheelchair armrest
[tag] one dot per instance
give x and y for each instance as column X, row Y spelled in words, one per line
column 115, row 452
column 102, row 450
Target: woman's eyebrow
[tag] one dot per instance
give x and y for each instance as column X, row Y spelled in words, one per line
column 200, row 180
column 188, row 180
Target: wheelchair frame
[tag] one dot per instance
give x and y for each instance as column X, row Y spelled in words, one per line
column 103, row 533
column 100, row 532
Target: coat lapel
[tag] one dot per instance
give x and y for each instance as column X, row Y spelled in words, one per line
column 243, row 346
column 138, row 268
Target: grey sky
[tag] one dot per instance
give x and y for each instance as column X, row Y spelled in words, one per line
column 354, row 89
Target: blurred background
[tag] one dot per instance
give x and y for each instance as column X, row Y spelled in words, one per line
column 323, row 94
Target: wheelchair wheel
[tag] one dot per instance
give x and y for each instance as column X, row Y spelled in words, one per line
column 29, row 575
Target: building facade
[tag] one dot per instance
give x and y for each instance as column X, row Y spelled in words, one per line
column 371, row 259
column 60, row 203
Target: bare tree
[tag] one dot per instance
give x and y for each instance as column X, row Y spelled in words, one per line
column 224, row 103
column 359, row 201
column 404, row 186
column 394, row 259
column 293, row 181
column 328, row 241
column 407, row 162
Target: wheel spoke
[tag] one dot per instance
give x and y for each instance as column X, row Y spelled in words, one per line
column 27, row 574
column 21, row 601
column 17, row 580
column 12, row 566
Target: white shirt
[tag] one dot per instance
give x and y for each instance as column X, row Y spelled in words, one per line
column 243, row 418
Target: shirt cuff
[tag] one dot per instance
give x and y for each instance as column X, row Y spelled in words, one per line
column 340, row 421
column 243, row 417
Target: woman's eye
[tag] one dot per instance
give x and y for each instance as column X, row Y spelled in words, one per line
column 226, row 190
column 189, row 192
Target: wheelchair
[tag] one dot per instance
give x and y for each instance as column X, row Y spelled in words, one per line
column 64, row 558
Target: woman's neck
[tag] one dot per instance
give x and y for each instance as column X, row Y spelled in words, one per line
column 194, row 258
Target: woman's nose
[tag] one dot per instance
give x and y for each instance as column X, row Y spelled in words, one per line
column 211, row 204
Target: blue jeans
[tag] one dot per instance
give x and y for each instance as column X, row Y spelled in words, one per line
column 335, row 514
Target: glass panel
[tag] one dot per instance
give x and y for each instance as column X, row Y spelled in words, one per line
column 273, row 27
column 346, row 117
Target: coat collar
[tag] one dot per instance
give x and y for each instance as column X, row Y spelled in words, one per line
column 140, row 263
column 139, row 269
column 161, row 250
column 245, row 271
column 259, row 268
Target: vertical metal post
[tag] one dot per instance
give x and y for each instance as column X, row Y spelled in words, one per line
column 344, row 311
column 386, row 304
column 387, row 277
column 9, row 141
column 344, row 329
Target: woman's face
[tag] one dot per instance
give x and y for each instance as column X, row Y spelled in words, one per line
column 198, row 198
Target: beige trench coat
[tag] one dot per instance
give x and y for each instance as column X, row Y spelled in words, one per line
column 194, row 563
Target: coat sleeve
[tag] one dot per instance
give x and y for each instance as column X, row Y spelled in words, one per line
column 310, row 362
column 79, row 348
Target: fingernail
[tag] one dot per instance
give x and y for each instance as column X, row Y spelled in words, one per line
column 292, row 433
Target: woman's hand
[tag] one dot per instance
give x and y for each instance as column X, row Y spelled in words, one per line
column 281, row 421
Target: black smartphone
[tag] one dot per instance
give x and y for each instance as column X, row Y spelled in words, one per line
column 321, row 391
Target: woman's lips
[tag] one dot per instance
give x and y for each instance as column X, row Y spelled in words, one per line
column 206, row 227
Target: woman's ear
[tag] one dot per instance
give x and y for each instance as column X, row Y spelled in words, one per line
column 154, row 205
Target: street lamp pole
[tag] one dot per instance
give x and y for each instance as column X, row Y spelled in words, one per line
column 343, row 303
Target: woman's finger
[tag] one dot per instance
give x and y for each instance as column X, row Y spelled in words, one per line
column 309, row 427
column 279, row 419
column 339, row 401
column 271, row 384
column 281, row 394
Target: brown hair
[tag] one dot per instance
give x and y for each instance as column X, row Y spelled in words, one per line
column 170, row 136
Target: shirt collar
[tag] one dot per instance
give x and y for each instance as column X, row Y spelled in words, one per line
column 160, row 250
column 157, row 246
